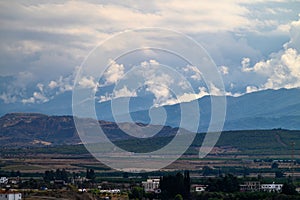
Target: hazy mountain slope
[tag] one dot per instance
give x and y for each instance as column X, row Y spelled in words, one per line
column 258, row 110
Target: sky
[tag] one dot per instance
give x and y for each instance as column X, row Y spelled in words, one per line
column 255, row 45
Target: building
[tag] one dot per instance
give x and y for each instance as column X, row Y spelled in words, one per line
column 113, row 191
column 151, row 185
column 254, row 186
column 3, row 180
column 199, row 188
column 10, row 196
column 250, row 186
column 271, row 187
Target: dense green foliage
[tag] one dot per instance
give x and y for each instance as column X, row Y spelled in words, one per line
column 228, row 184
column 243, row 196
column 173, row 185
column 249, row 142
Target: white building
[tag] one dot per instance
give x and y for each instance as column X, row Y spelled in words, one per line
column 113, row 191
column 10, row 196
column 151, row 185
column 250, row 186
column 3, row 180
column 200, row 188
column 271, row 187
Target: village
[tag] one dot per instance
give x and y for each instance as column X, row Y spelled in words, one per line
column 67, row 185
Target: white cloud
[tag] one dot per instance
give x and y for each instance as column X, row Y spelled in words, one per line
column 187, row 97
column 160, row 86
column 203, row 91
column 37, row 97
column 52, row 84
column 224, row 70
column 40, row 86
column 88, row 82
column 65, row 83
column 29, row 100
column 195, row 72
column 124, row 92
column 163, row 82
column 246, row 65
column 250, row 89
column 38, row 49
column 7, row 98
column 285, row 70
column 40, row 97
column 113, row 73
column 282, row 69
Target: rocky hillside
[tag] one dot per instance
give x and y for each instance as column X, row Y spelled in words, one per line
column 32, row 129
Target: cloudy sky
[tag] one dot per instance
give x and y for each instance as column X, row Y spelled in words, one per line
column 254, row 44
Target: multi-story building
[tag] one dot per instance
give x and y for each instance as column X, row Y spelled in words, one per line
column 151, row 185
column 250, row 186
column 10, row 196
column 3, row 180
column 271, row 187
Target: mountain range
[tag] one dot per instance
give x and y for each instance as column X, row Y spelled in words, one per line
column 57, row 134
column 265, row 109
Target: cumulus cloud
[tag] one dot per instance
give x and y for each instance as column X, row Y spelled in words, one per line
column 123, row 92
column 40, row 97
column 113, row 73
column 40, row 86
column 88, row 82
column 250, row 89
column 52, row 84
column 166, row 85
column 187, row 97
column 246, row 65
column 286, row 69
column 8, row 98
column 224, row 70
column 202, row 91
column 282, row 69
column 62, row 84
column 156, row 81
column 37, row 49
column 195, row 72
column 37, row 97
column 28, row 100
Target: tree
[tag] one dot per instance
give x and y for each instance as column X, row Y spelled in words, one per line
column 49, row 176
column 178, row 197
column 125, row 175
column 18, row 173
column 173, row 185
column 228, row 184
column 274, row 165
column 137, row 193
column 187, row 185
column 207, row 171
column 64, row 175
column 279, row 174
column 289, row 189
column 90, row 174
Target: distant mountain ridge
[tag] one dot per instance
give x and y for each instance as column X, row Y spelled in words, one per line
column 265, row 109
